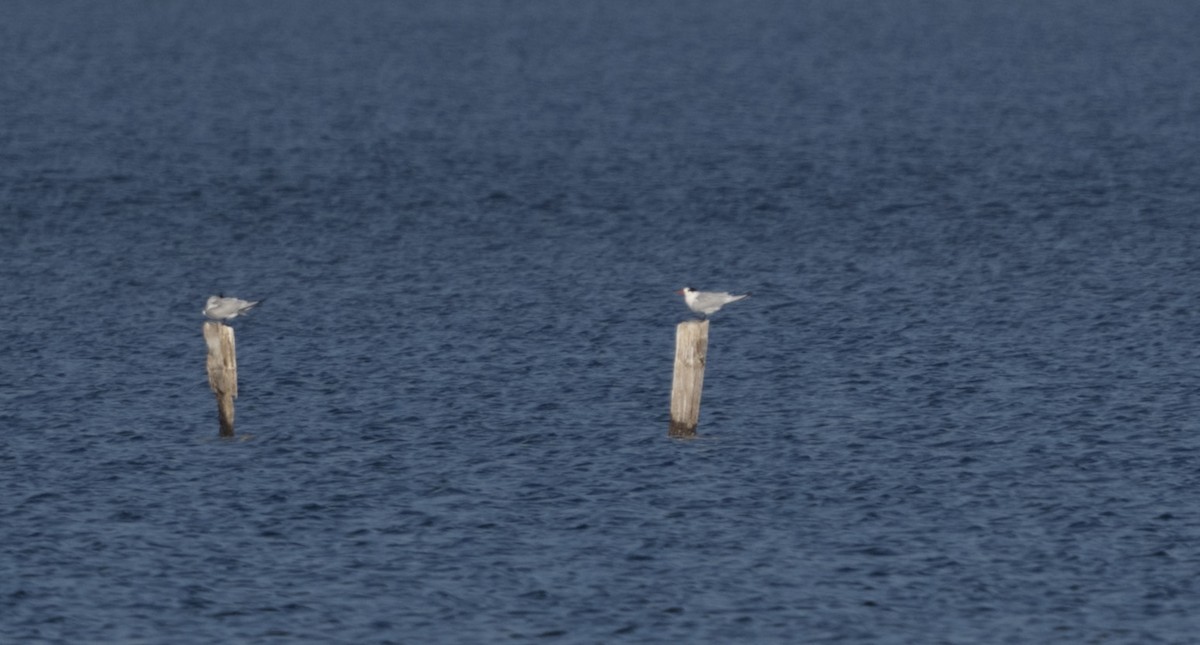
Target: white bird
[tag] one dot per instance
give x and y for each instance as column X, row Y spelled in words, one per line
column 221, row 308
column 707, row 302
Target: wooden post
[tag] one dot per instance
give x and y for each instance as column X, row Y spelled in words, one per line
column 691, row 349
column 222, row 371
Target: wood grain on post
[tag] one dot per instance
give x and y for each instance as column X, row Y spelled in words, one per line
column 691, row 349
column 222, row 371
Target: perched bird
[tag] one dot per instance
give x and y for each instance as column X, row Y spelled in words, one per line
column 707, row 302
column 222, row 308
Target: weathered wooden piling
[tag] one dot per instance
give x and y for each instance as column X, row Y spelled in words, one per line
column 222, row 371
column 691, row 349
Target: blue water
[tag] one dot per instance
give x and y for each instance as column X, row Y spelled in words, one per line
column 961, row 405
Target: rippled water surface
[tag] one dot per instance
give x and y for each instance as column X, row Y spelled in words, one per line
column 960, row 406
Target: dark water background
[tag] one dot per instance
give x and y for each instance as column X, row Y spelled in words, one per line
column 960, row 407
